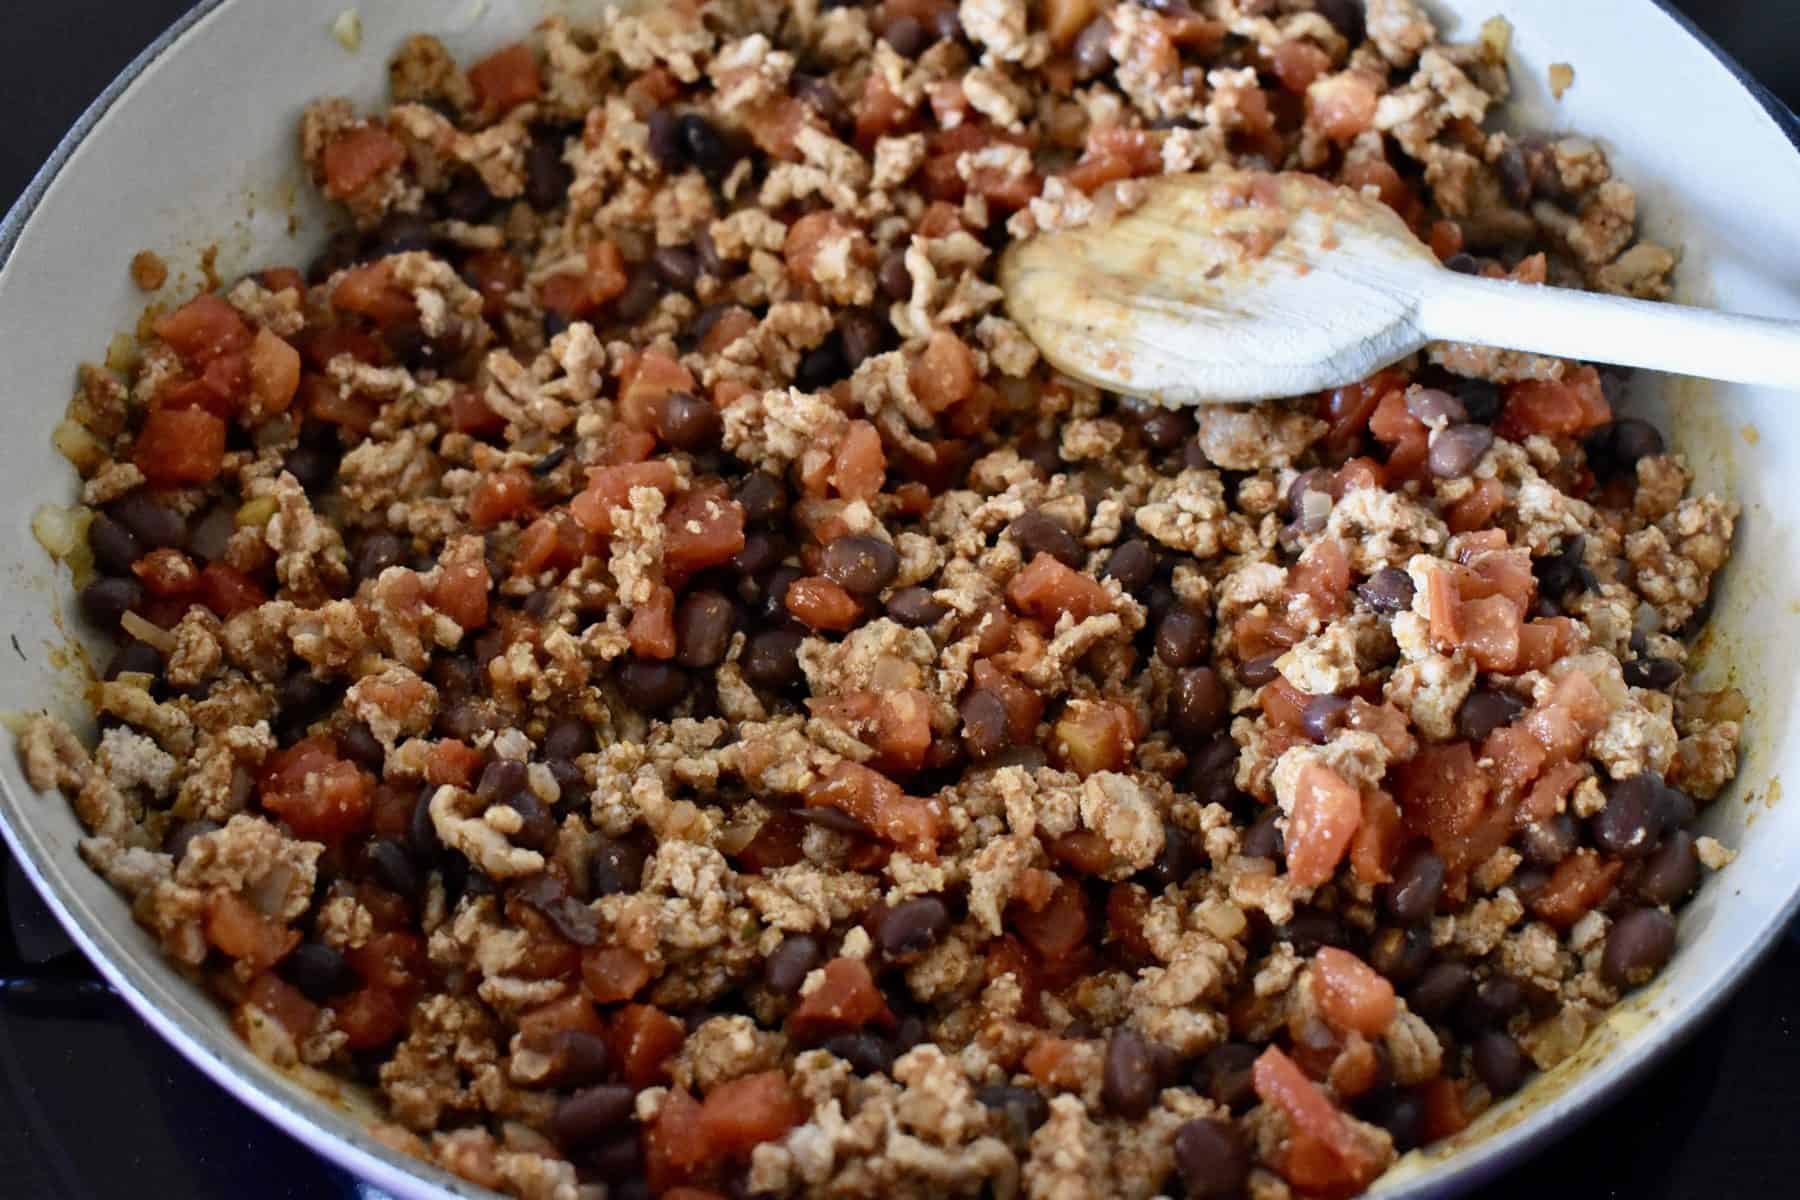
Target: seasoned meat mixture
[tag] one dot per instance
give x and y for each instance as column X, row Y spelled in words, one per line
column 630, row 655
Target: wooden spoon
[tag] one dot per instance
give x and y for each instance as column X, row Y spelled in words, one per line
column 1236, row 285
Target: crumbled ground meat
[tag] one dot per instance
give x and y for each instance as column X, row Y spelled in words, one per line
column 687, row 690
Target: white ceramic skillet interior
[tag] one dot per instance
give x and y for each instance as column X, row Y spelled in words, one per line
column 194, row 145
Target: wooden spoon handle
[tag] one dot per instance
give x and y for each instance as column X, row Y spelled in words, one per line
column 1610, row 329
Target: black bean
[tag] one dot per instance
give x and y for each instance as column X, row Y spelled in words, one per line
column 359, row 746
column 134, row 657
column 1324, row 716
column 788, row 964
column 377, row 553
column 1259, row 670
column 771, row 659
column 762, row 553
column 1672, row 873
column 182, row 835
column 592, row 1113
column 687, row 422
column 1224, row 1075
column 392, row 867
column 1455, row 451
column 554, row 323
column 1389, row 590
column 653, row 687
column 421, row 830
column 1546, row 843
column 1637, row 946
column 1346, row 16
column 704, row 622
column 1485, row 710
column 706, row 148
column 1480, row 399
column 1440, row 990
column 312, row 467
column 862, row 338
column 1092, row 56
column 911, row 927
column 342, row 249
column 571, row 785
column 108, row 598
column 984, row 724
column 115, row 547
column 1038, row 534
column 1133, row 564
column 1212, row 770
column 907, row 36
column 1211, row 1159
column 1021, row 1109
column 1559, row 572
column 895, row 279
column 538, row 828
column 1657, row 674
column 860, row 563
column 467, row 199
column 619, row 1160
column 320, row 972
column 1317, row 479
column 1199, row 704
column 1498, row 1063
column 401, row 233
column 1402, row 1113
column 500, row 779
column 823, row 365
column 1463, row 263
column 1418, row 883
column 763, row 497
column 916, row 608
column 1432, row 405
column 642, row 290
column 1264, row 839
column 1615, row 449
column 1174, row 862
column 1182, row 636
column 1164, row 430
column 1401, row 954
column 1670, row 807
column 818, row 94
column 617, row 866
column 665, row 140
column 946, row 23
column 1127, row 1075
column 1515, row 178
column 678, row 267
column 867, row 1053
column 1627, row 826
column 576, row 1058
column 465, row 720
column 1493, row 1002
column 1311, row 928
column 568, row 738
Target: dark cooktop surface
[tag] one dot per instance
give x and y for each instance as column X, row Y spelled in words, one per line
column 93, row 1104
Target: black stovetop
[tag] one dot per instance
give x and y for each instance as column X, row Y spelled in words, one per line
column 93, row 1104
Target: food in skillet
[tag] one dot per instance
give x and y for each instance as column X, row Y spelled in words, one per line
column 632, row 657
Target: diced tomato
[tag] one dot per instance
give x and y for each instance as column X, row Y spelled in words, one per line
column 1056, row 929
column 549, row 543
column 317, row 793
column 944, row 373
column 1550, row 789
column 274, row 373
column 573, row 1012
column 701, row 528
column 500, row 497
column 1559, row 408
column 1443, row 604
column 859, row 465
column 203, row 329
column 1375, row 846
column 1444, row 796
column 1323, row 572
column 877, row 801
column 577, row 295
column 167, row 572
column 879, row 112
column 1057, row 1063
column 1278, row 1081
column 1445, row 1115
column 642, row 1039
column 241, row 932
column 369, row 290
column 1127, row 908
column 846, row 999
column 356, row 157
column 282, row 1001
column 1579, row 882
column 1024, row 705
column 651, row 630
column 1093, row 735
column 180, row 446
column 1350, row 995
column 614, row 973
column 496, row 275
column 1326, row 814
column 505, row 79
column 1297, row 63
column 1284, row 704
column 1394, row 191
column 452, row 762
column 643, row 383
column 902, row 729
column 1490, row 633
column 822, row 604
column 610, row 487
column 1542, row 642
column 775, row 125
column 1047, row 589
column 676, row 1150
column 1478, row 508
column 280, row 279
column 740, row 1115
column 461, row 593
column 228, row 591
column 776, row 844
column 1084, row 850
